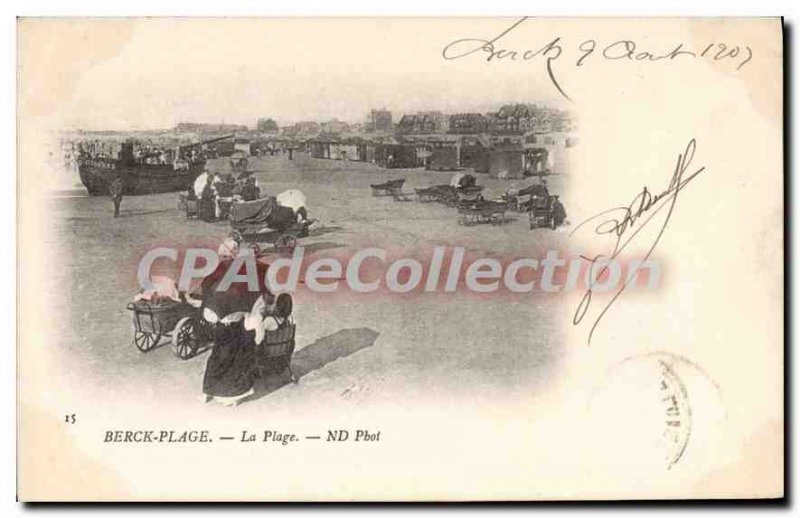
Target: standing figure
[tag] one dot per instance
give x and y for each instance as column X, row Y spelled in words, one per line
column 208, row 203
column 115, row 190
column 559, row 212
column 234, row 314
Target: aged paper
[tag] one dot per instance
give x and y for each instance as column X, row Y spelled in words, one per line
column 400, row 259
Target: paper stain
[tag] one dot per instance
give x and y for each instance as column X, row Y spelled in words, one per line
column 53, row 55
column 762, row 76
column 52, row 466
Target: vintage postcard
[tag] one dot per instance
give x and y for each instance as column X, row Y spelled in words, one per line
column 400, row 259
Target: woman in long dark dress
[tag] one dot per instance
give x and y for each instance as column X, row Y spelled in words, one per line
column 231, row 368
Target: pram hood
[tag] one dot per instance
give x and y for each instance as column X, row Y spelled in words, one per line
column 253, row 212
column 462, row 180
column 292, row 198
column 266, row 211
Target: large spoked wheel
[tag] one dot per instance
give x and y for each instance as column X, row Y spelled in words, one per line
column 285, row 244
column 186, row 338
column 145, row 341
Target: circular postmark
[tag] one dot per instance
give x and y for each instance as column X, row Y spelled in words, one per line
column 647, row 409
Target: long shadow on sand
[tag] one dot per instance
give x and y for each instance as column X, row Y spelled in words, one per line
column 320, row 246
column 313, row 357
column 137, row 212
column 268, row 250
column 319, row 231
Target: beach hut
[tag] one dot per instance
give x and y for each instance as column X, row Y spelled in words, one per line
column 243, row 145
column 475, row 154
column 347, row 151
column 507, row 163
column 224, row 148
column 319, row 148
column 538, row 161
column 443, row 159
column 395, row 156
column 367, row 151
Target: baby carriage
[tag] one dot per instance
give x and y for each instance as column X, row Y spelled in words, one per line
column 546, row 211
column 265, row 222
column 274, row 353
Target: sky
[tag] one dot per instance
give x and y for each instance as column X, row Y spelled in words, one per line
column 146, row 74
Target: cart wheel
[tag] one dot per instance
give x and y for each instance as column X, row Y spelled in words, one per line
column 186, row 338
column 285, row 244
column 145, row 341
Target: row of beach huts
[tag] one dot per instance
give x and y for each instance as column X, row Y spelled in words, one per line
column 506, row 158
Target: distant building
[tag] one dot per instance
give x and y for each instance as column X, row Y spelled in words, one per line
column 198, row 127
column 468, row 124
column 379, row 120
column 522, row 118
column 423, row 122
column 267, row 125
column 302, row 128
column 515, row 118
column 307, row 127
column 335, row 126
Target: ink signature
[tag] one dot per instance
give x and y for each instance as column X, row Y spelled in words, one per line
column 623, row 224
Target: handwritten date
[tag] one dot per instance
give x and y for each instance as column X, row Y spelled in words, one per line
column 555, row 50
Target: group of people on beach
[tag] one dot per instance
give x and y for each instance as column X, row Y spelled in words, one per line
column 216, row 192
column 141, row 153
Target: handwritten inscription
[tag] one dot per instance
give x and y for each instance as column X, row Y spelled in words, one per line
column 622, row 224
column 555, row 50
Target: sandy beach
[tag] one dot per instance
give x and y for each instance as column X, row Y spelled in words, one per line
column 348, row 350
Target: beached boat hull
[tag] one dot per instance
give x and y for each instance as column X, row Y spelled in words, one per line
column 97, row 175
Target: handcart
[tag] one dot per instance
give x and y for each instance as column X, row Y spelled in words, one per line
column 179, row 321
column 225, row 205
column 482, row 211
column 471, row 193
column 546, row 211
column 188, row 206
column 390, row 188
column 426, row 195
column 283, row 241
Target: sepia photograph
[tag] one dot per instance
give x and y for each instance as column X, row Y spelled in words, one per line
column 406, row 259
